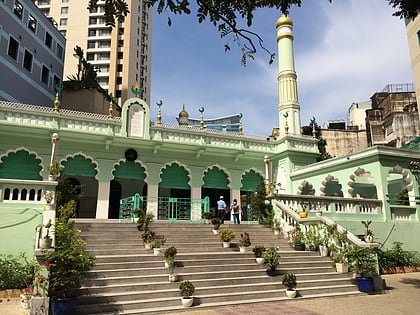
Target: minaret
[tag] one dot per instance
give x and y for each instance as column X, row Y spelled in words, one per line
column 289, row 108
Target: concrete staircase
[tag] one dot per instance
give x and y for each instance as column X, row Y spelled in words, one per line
column 128, row 279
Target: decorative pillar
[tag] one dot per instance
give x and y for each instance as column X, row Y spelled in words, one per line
column 102, row 204
column 54, row 145
column 287, row 84
column 267, row 174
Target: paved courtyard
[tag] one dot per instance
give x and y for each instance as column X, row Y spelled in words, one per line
column 402, row 297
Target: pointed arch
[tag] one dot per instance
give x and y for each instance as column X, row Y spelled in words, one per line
column 251, row 179
column 21, row 163
column 129, row 169
column 175, row 175
column 216, row 177
column 306, row 188
column 361, row 185
column 80, row 164
column 331, row 187
column 400, row 186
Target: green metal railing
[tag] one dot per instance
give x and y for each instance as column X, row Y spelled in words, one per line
column 168, row 208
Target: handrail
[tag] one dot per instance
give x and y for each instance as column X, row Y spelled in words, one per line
column 327, row 221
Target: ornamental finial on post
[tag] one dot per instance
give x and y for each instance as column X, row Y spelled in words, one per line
column 137, row 90
column 110, row 109
column 159, row 115
column 240, row 124
column 313, row 122
column 58, row 89
column 202, row 127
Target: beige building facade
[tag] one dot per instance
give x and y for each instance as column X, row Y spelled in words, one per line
column 121, row 55
column 413, row 36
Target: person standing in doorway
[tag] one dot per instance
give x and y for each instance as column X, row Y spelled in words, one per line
column 221, row 207
column 236, row 210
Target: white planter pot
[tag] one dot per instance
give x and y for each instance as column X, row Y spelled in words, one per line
column 226, row 244
column 39, row 305
column 242, row 250
column 45, row 243
column 323, row 250
column 276, row 232
column 156, row 251
column 187, row 302
column 342, row 268
column 172, row 277
column 215, row 232
column 291, row 293
column 208, row 221
column 148, row 246
column 259, row 260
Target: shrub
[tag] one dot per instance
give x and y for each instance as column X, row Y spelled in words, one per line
column 186, row 289
column 216, row 223
column 272, row 257
column 170, row 253
column 16, row 272
column 258, row 251
column 226, row 235
column 289, row 281
column 207, row 215
column 244, row 241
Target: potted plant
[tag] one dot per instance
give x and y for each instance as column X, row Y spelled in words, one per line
column 289, row 281
column 148, row 237
column 364, row 263
column 172, row 276
column 271, row 258
column 312, row 238
column 45, row 241
column 54, row 171
column 68, row 263
column 216, row 225
column 324, row 242
column 186, row 290
column 368, row 232
column 169, row 255
column 296, row 238
column 305, row 205
column 157, row 244
column 276, row 227
column 226, row 235
column 244, row 242
column 207, row 216
column 258, row 253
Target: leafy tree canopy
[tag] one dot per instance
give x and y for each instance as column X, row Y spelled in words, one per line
column 228, row 16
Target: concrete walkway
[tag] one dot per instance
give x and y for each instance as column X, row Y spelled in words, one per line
column 402, row 297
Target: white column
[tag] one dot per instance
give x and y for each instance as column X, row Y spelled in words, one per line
column 152, row 203
column 102, row 204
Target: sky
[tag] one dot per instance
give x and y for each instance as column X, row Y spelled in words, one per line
column 344, row 53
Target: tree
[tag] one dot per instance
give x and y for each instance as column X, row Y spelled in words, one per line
column 322, row 143
column 261, row 207
column 228, row 16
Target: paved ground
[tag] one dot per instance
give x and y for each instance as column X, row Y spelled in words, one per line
column 402, row 297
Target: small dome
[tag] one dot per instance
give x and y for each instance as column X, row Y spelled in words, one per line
column 183, row 116
column 284, row 20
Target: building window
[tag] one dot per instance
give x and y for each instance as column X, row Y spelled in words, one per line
column 32, row 23
column 48, row 39
column 93, row 20
column 102, row 68
column 91, row 44
column 102, row 81
column 64, row 1
column 57, row 82
column 104, row 44
column 13, row 48
column 120, row 42
column 118, row 94
column 101, row 20
column 63, row 32
column 104, row 32
column 121, row 31
column 59, row 52
column 45, row 74
column 92, row 33
column 18, row 9
column 103, row 56
column 64, row 10
column 119, row 80
column 63, row 21
column 90, row 56
column 120, row 55
column 27, row 61
column 119, row 68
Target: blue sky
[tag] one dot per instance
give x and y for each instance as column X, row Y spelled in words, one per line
column 344, row 52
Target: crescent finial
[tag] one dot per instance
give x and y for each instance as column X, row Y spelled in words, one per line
column 285, row 115
column 201, row 110
column 240, row 115
column 160, row 103
column 58, row 87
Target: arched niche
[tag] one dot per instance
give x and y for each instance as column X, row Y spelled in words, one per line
column 331, row 187
column 306, row 188
column 361, row 185
column 20, row 164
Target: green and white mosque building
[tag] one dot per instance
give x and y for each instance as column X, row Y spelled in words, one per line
column 178, row 171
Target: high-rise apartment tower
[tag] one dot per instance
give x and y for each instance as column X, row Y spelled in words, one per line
column 121, row 55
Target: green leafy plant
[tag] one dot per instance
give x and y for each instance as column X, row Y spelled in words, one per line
column 207, row 215
column 169, row 254
column 362, row 260
column 368, row 232
column 216, row 223
column 55, row 169
column 261, row 206
column 258, row 251
column 289, row 281
column 16, row 272
column 69, row 261
column 272, row 258
column 244, row 241
column 226, row 235
column 186, row 289
column 148, row 236
column 159, row 242
column 296, row 236
column 397, row 257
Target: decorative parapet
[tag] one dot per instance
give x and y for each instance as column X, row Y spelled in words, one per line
column 290, row 218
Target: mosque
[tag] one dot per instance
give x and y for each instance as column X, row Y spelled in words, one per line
column 178, row 171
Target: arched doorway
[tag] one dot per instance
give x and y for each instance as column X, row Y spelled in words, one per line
column 250, row 182
column 216, row 185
